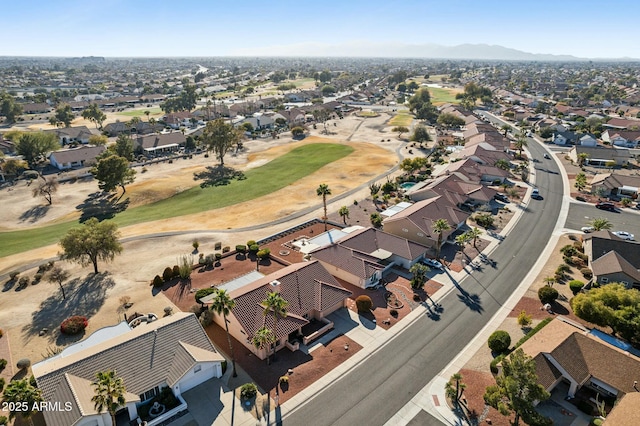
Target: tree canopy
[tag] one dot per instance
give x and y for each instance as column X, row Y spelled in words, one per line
column 450, row 120
column 186, row 101
column 9, row 107
column 420, row 105
column 517, row 389
column 34, row 145
column 113, row 171
column 21, row 392
column 420, row 134
column 63, row 116
column 109, row 393
column 46, row 188
column 220, row 137
column 94, row 114
column 91, row 242
column 611, row 305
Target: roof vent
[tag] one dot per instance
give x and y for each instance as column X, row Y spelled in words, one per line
column 275, row 283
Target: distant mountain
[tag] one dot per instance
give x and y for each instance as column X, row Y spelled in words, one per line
column 401, row 50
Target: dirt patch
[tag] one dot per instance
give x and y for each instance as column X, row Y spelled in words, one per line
column 477, row 382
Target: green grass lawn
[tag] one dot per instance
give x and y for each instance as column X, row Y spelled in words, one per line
column 401, row 119
column 140, row 112
column 441, row 96
column 300, row 81
column 260, row 181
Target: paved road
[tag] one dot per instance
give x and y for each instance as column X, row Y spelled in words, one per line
column 376, row 389
column 623, row 220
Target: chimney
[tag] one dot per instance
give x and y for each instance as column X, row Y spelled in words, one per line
column 275, row 286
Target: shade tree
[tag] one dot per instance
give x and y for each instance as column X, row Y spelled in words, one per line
column 92, row 242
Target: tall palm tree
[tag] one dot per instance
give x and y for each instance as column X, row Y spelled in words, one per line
column 600, row 224
column 109, row 393
column 276, row 305
column 21, row 392
column 440, row 226
column 344, row 213
column 474, row 234
column 521, row 143
column 222, row 304
column 322, row 191
column 263, row 339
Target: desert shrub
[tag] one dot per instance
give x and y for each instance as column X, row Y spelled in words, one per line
column 206, row 318
column 218, row 256
column 583, row 257
column 23, row 363
column 524, row 319
column 36, row 278
column 578, row 246
column 596, row 421
column 568, row 250
column 578, row 262
column 167, row 274
column 499, row 341
column 176, row 271
column 226, row 249
column 393, row 313
column 547, row 294
column 241, row 248
column 3, row 419
column 283, row 379
column 203, row 292
column 575, row 286
column 563, row 268
column 208, row 260
column 248, row 391
column 217, row 245
column 201, row 259
column 13, row 275
column 74, row 325
column 587, row 273
column 157, row 281
column 254, row 248
column 364, row 303
column 264, row 253
column 251, row 243
column 195, row 244
column 184, row 271
column 3, row 364
column 568, row 260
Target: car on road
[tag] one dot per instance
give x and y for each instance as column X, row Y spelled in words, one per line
column 535, row 194
column 433, row 264
column 501, row 197
column 547, row 156
column 624, row 235
column 587, row 229
column 605, row 205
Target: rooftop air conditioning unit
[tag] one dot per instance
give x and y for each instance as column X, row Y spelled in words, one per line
column 275, row 283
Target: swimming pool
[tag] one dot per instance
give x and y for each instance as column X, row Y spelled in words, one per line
column 407, row 185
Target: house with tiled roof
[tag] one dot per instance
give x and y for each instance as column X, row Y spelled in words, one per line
column 312, row 293
column 363, row 256
column 416, row 222
column 172, row 352
column 160, row 142
column 623, row 138
column 625, row 412
column 477, row 172
column 613, row 259
column 456, row 189
column 600, row 156
column 616, row 185
column 67, row 135
column 483, row 153
column 566, row 353
column 82, row 156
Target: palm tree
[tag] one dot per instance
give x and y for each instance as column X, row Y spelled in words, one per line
column 505, row 128
column 344, row 213
column 600, row 224
column 275, row 304
column 21, row 392
column 147, row 112
column 582, row 158
column 440, row 226
column 222, row 304
column 455, row 393
column 322, row 191
column 109, row 393
column 474, row 234
column 462, row 240
column 263, row 339
column 503, row 164
column 548, row 281
column 521, row 143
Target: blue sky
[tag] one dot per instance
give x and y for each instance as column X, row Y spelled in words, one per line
column 583, row 28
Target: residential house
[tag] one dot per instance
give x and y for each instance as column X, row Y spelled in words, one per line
column 495, row 139
column 570, row 359
column 177, row 119
column 622, row 124
column 312, row 293
column 364, row 256
column 160, row 142
column 415, row 223
column 625, row 412
column 454, row 188
column 565, row 138
column 622, row 138
column 616, row 185
column 588, row 140
column 477, row 172
column 258, row 122
column 36, row 108
column 622, row 266
column 482, row 153
column 79, row 134
column 82, row 156
column 172, row 352
column 600, row 156
column 115, row 129
column 292, row 116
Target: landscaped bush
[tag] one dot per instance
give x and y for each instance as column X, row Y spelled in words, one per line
column 206, row 318
column 14, row 275
column 4, row 420
column 364, row 303
column 203, row 292
column 195, row 244
column 3, row 364
column 218, row 257
column 241, row 248
column 524, row 319
column 575, row 286
column 547, row 294
column 499, row 341
column 254, row 248
column 167, row 274
column 248, row 391
column 176, row 271
column 23, row 282
column 578, row 246
column 596, row 421
column 264, row 253
column 283, row 379
column 74, row 325
column 393, row 313
column 587, row 273
column 2, row 383
column 226, row 249
column 36, row 278
column 563, row 268
column 251, row 243
column 23, row 363
column 184, row 271
column 157, row 281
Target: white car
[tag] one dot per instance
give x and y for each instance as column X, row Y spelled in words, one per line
column 587, row 229
column 624, row 235
column 433, row 264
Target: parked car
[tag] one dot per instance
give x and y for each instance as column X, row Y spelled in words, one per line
column 433, row 264
column 624, row 235
column 501, row 197
column 605, row 205
column 547, row 156
column 587, row 229
column 535, row 194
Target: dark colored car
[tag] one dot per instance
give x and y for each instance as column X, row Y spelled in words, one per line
column 604, row 205
column 501, row 197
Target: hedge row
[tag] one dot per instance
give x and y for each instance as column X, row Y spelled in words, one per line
column 494, row 364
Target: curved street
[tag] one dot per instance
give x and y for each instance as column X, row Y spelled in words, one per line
column 385, row 381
